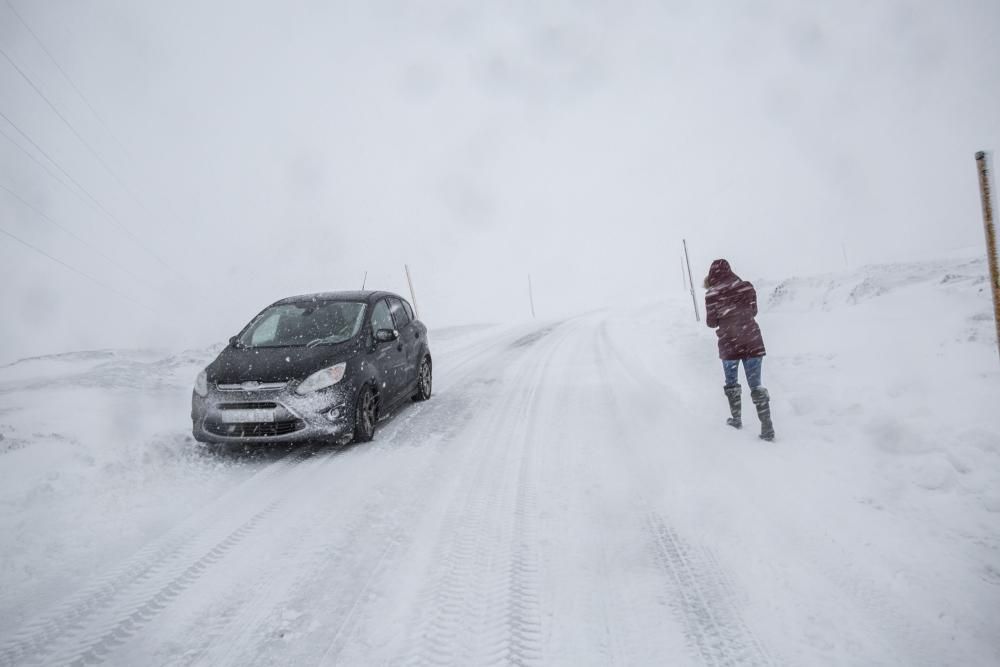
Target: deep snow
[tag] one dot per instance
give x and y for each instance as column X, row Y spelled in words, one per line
column 570, row 495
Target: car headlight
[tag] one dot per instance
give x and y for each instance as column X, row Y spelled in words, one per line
column 322, row 379
column 201, row 384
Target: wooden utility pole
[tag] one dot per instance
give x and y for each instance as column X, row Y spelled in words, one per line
column 413, row 295
column 694, row 299
column 531, row 297
column 986, row 193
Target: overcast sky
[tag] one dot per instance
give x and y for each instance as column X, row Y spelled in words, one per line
column 226, row 154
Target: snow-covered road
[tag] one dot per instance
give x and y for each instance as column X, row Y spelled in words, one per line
column 569, row 496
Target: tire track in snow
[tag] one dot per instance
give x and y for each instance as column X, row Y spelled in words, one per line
column 715, row 625
column 515, row 614
column 523, row 618
column 366, row 547
column 292, row 534
column 518, row 628
column 612, row 644
column 353, row 564
column 615, row 612
column 458, row 595
column 147, row 610
column 485, row 610
column 152, row 594
column 258, row 589
column 699, row 592
column 35, row 639
column 900, row 633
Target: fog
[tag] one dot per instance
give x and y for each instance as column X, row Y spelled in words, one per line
column 204, row 159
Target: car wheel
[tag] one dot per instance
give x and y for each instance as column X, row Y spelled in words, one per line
column 425, row 380
column 366, row 415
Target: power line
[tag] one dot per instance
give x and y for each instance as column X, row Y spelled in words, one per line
column 111, row 216
column 40, row 163
column 91, row 149
column 83, row 141
column 76, row 271
column 94, row 203
column 66, row 76
column 74, row 235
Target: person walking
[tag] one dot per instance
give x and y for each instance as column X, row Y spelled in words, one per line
column 730, row 308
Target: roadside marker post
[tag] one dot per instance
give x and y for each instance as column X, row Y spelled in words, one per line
column 986, row 194
column 694, row 299
column 413, row 295
column 531, row 297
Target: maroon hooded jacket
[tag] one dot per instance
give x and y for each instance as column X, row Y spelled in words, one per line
column 730, row 307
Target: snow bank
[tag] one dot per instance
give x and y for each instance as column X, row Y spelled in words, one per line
column 900, row 357
column 889, row 376
column 95, row 459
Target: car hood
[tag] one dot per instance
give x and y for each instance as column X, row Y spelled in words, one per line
column 275, row 364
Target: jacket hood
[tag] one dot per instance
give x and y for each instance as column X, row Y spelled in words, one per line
column 719, row 274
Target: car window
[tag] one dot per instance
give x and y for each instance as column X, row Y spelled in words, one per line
column 381, row 317
column 409, row 311
column 398, row 312
column 306, row 323
column 264, row 332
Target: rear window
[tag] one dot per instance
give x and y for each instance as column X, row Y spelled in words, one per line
column 305, row 324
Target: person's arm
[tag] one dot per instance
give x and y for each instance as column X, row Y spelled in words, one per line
column 753, row 300
column 711, row 317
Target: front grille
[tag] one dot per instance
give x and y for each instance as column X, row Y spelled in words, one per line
column 252, row 386
column 259, row 405
column 254, row 429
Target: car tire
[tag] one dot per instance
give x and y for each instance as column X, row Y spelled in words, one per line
column 365, row 415
column 425, row 380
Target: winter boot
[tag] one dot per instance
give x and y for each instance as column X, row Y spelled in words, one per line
column 733, row 392
column 762, row 400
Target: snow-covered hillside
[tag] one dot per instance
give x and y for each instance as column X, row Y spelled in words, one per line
column 900, row 357
column 570, row 495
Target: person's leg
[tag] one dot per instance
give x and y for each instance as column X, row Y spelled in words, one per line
column 731, row 369
column 759, row 395
column 752, row 368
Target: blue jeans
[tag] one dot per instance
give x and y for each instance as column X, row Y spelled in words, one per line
column 751, row 366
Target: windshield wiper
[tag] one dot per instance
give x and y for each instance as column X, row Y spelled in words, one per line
column 326, row 340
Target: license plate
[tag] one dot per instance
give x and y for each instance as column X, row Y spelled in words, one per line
column 245, row 416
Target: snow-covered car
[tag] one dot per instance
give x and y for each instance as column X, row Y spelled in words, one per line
column 314, row 367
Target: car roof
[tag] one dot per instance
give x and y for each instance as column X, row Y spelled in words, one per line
column 356, row 295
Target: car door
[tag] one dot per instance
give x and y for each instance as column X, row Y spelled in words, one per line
column 419, row 330
column 390, row 356
column 409, row 334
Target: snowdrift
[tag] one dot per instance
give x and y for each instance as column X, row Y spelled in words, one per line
column 901, row 358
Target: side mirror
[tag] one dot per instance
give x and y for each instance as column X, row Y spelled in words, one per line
column 386, row 335
column 234, row 342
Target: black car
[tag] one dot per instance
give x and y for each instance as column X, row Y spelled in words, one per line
column 314, row 367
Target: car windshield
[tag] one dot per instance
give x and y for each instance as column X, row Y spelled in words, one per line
column 304, row 324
